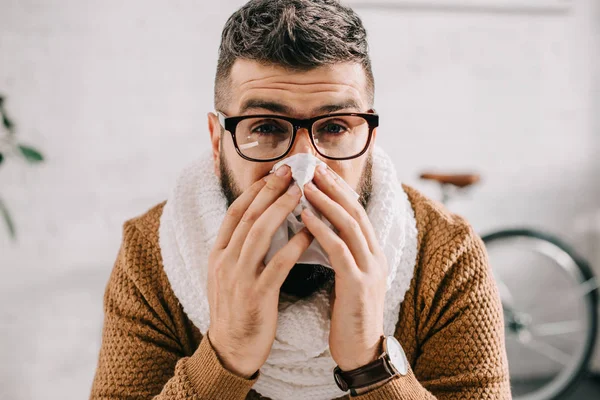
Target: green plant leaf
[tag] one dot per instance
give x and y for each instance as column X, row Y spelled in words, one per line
column 8, row 220
column 8, row 124
column 31, row 154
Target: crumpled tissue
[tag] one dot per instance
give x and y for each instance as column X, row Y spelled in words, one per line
column 303, row 167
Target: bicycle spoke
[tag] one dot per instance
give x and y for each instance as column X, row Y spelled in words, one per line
column 590, row 285
column 548, row 351
column 555, row 328
column 582, row 290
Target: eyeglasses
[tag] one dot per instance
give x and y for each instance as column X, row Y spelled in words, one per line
column 264, row 138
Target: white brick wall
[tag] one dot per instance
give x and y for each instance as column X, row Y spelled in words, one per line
column 115, row 94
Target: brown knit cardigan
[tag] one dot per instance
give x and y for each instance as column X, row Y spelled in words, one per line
column 450, row 324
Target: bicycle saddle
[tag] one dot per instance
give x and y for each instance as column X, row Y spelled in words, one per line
column 458, row 180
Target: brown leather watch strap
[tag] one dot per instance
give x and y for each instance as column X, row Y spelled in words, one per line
column 374, row 372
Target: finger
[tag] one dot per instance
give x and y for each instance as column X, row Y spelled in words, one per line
column 235, row 213
column 329, row 184
column 348, row 227
column 261, row 234
column 339, row 254
column 271, row 191
column 282, row 262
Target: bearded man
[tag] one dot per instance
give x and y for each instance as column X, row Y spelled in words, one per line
column 288, row 262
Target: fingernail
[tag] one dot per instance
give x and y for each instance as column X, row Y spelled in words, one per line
column 322, row 169
column 294, row 189
column 308, row 213
column 282, row 171
column 310, row 186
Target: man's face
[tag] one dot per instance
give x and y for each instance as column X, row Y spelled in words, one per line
column 265, row 89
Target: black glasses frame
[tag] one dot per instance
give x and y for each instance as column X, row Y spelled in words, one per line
column 231, row 123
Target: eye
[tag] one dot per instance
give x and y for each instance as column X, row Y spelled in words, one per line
column 267, row 129
column 332, row 128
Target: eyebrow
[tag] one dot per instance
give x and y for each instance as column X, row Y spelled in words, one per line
column 281, row 108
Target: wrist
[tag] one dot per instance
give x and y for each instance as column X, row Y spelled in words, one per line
column 229, row 361
column 363, row 357
column 208, row 377
column 391, row 363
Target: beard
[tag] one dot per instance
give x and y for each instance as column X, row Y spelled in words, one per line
column 303, row 279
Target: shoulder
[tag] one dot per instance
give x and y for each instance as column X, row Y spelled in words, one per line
column 452, row 266
column 138, row 281
column 436, row 225
column 146, row 224
column 444, row 238
column 139, row 260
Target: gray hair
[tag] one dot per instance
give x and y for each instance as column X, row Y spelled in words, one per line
column 295, row 34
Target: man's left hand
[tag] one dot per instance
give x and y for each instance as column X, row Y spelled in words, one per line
column 360, row 270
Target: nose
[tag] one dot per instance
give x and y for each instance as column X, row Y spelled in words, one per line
column 302, row 143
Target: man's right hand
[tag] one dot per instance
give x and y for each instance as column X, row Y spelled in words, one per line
column 243, row 292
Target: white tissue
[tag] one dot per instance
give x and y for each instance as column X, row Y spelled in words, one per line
column 303, row 170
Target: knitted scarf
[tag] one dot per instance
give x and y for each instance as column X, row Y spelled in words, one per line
column 299, row 366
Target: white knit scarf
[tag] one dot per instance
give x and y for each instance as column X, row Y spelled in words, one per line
column 300, row 365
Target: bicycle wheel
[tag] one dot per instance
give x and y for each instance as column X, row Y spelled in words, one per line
column 549, row 297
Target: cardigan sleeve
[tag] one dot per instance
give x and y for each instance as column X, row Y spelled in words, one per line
column 141, row 356
column 459, row 328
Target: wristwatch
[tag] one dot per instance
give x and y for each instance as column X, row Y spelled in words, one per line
column 391, row 363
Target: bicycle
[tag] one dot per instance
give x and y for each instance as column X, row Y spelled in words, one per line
column 548, row 352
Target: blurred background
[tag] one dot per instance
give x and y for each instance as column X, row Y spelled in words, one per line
column 115, row 94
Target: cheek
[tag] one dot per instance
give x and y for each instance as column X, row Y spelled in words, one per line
column 350, row 171
column 244, row 172
column 251, row 172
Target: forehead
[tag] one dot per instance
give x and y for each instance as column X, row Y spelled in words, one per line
column 301, row 92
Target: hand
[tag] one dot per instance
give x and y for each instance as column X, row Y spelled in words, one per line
column 360, row 271
column 243, row 292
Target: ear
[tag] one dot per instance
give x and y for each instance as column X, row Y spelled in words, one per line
column 374, row 134
column 214, row 129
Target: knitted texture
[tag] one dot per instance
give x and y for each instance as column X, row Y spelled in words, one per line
column 450, row 323
column 299, row 365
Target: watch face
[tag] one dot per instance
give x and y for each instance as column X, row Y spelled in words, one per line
column 339, row 381
column 396, row 355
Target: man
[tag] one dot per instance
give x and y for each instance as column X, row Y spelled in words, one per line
column 407, row 308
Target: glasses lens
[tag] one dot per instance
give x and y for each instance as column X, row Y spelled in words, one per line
column 263, row 138
column 341, row 136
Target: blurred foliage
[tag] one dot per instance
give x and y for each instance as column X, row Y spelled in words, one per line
column 9, row 148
